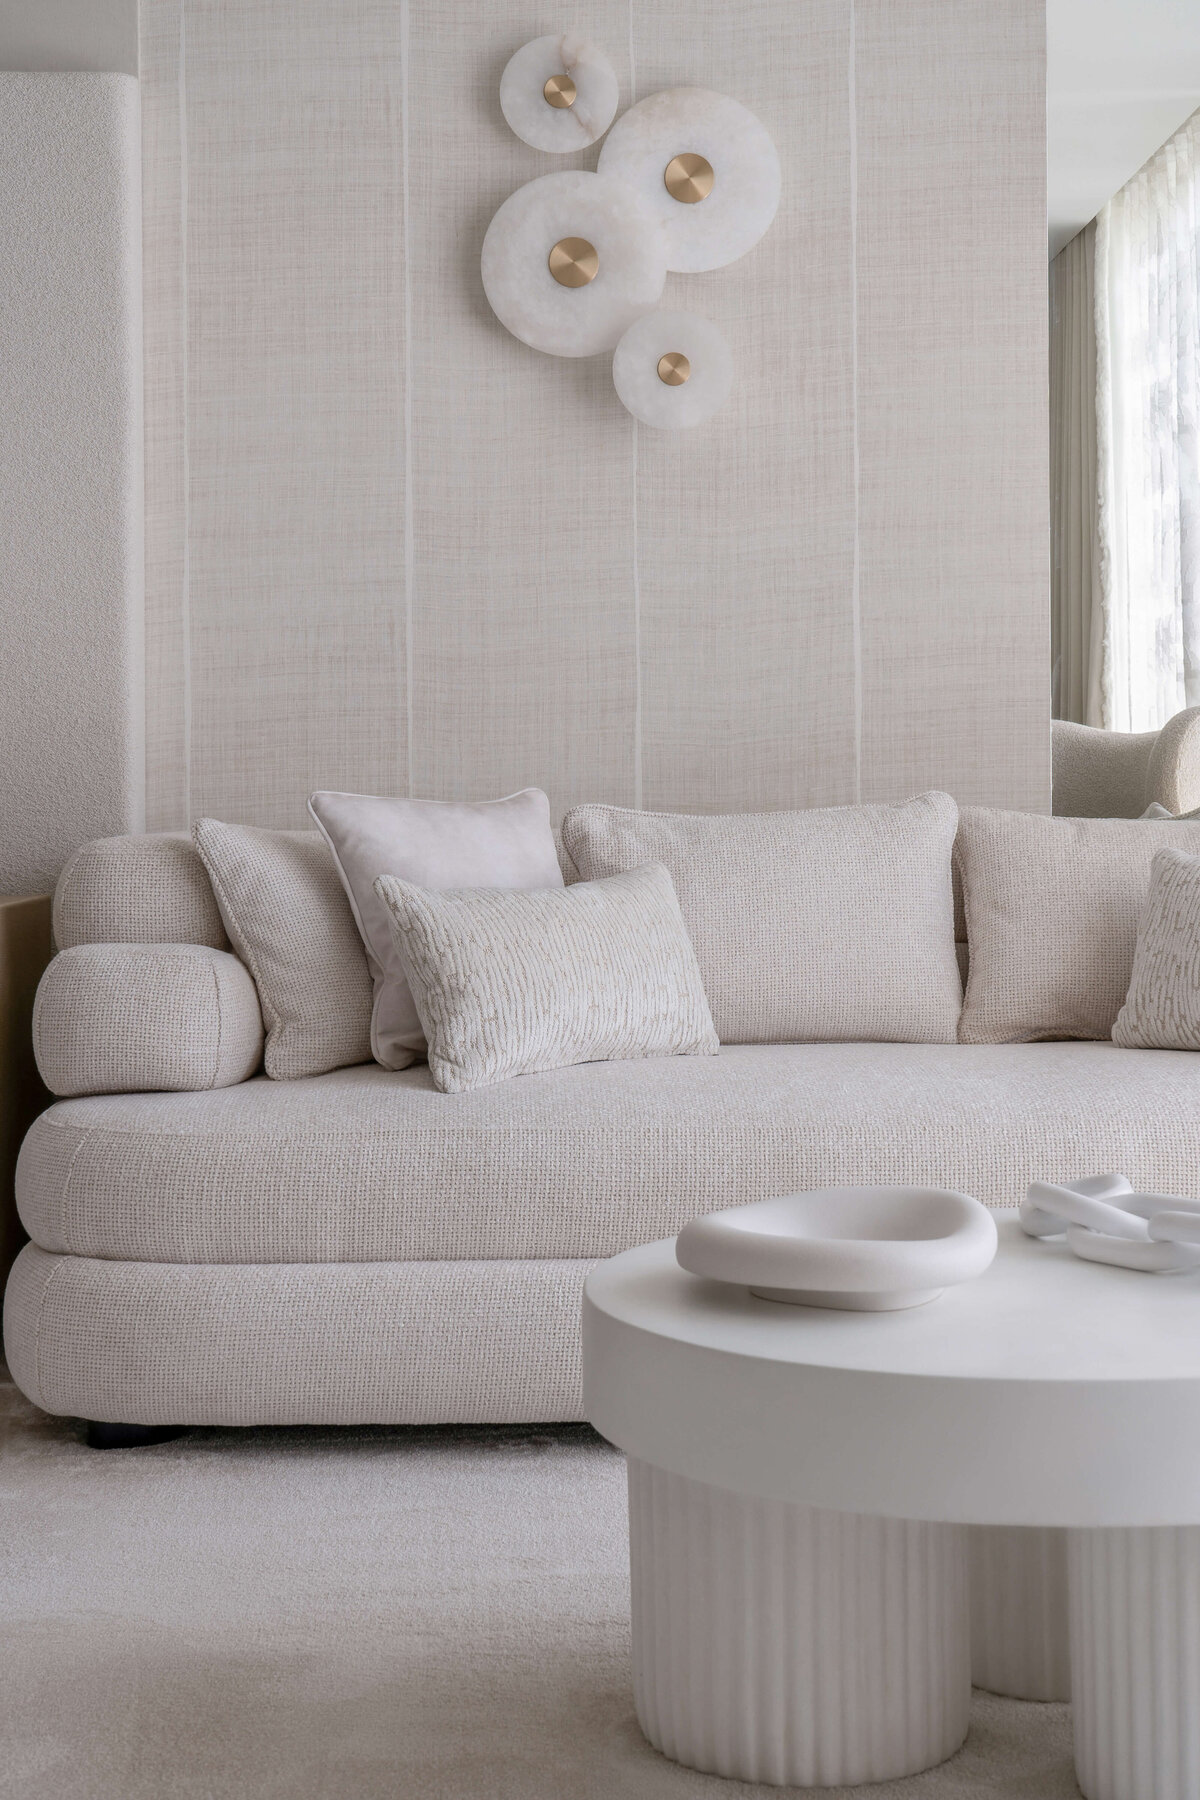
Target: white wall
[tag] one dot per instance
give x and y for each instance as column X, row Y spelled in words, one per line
column 71, row 544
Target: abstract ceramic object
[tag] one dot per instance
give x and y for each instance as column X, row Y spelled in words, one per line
column 858, row 1249
column 706, row 168
column 559, row 93
column 672, row 370
column 592, row 230
column 1105, row 1221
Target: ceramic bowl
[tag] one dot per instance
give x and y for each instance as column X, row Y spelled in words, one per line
column 860, row 1249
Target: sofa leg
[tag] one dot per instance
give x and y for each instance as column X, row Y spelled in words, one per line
column 103, row 1436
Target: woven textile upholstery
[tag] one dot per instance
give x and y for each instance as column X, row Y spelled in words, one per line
column 369, row 1166
column 828, row 925
column 284, row 909
column 137, row 890
column 436, row 844
column 1162, row 1007
column 136, row 1018
column 342, row 1344
column 509, row 983
column 1052, row 910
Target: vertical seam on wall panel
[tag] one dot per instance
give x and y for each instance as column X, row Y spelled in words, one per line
column 185, row 597
column 855, row 593
column 406, row 240
column 637, row 580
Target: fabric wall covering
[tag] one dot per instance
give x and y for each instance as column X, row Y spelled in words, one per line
column 392, row 550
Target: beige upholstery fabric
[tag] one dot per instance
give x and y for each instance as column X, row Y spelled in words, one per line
column 814, row 926
column 137, row 1018
column 366, row 1165
column 342, row 1344
column 1118, row 774
column 137, row 890
column 510, row 983
column 437, row 844
column 284, row 909
column 1052, row 912
column 1162, row 1007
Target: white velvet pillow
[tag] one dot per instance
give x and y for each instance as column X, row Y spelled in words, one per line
column 435, row 844
column 510, row 983
column 810, row 927
column 1162, row 1007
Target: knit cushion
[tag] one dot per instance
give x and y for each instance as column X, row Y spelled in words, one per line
column 835, row 924
column 509, row 983
column 436, row 844
column 284, row 909
column 1162, row 1007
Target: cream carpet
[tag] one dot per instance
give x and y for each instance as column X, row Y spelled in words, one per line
column 320, row 1615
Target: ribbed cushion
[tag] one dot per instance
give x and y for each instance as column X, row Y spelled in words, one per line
column 372, row 1165
column 1162, row 1007
column 137, row 890
column 338, row 1344
column 135, row 1018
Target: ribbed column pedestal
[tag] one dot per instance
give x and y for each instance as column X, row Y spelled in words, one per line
column 1135, row 1662
column 780, row 1644
column 1020, row 1641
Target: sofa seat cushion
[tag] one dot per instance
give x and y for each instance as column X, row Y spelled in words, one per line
column 366, row 1164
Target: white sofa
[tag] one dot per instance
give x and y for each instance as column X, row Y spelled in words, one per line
column 355, row 1247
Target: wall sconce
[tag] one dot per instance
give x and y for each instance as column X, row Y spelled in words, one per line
column 672, row 370
column 559, row 93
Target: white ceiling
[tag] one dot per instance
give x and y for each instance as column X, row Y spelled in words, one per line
column 1121, row 76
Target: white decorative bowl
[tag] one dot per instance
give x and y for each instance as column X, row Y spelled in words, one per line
column 860, row 1249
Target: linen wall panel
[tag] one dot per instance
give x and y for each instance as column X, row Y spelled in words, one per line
column 393, row 549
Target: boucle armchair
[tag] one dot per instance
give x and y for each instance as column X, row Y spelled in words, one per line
column 1118, row 774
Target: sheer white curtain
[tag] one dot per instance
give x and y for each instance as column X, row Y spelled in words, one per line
column 1147, row 322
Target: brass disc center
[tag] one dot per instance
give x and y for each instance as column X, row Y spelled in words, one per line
column 689, row 178
column 674, row 368
column 560, row 92
column 573, row 262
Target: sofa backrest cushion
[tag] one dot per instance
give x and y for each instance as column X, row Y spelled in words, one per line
column 828, row 925
column 1052, row 908
column 145, row 1018
column 137, row 890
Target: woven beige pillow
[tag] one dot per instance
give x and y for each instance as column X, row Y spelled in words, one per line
column 509, row 982
column 1052, row 910
column 1162, row 1007
column 282, row 904
column 830, row 925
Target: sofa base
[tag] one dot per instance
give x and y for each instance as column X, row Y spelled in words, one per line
column 103, row 1436
column 179, row 1344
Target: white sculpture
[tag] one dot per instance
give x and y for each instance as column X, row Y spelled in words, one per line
column 1105, row 1221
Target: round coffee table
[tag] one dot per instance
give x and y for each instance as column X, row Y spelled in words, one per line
column 801, row 1480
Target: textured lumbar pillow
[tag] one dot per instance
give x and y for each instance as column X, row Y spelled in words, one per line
column 508, row 983
column 830, row 925
column 283, row 906
column 1052, row 910
column 435, row 844
column 1162, row 1007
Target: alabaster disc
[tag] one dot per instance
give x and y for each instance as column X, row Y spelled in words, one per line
column 656, row 402
column 745, row 191
column 523, row 294
column 523, row 97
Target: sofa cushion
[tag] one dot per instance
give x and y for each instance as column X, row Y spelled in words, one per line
column 1162, row 1007
column 370, row 1165
column 820, row 926
column 133, row 1018
column 1052, row 910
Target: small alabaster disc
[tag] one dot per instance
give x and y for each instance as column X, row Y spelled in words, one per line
column 534, row 118
column 541, row 311
column 689, row 123
column 654, row 394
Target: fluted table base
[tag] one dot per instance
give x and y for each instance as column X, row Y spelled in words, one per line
column 781, row 1644
column 1019, row 1635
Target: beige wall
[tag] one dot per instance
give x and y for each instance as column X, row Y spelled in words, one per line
column 391, row 549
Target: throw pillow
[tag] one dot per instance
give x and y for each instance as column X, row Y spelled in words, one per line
column 435, row 844
column 1052, row 918
column 1162, row 1007
column 509, row 983
column 282, row 904
column 809, row 927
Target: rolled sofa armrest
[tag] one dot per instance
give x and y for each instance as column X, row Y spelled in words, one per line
column 145, row 1018
column 1173, row 774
